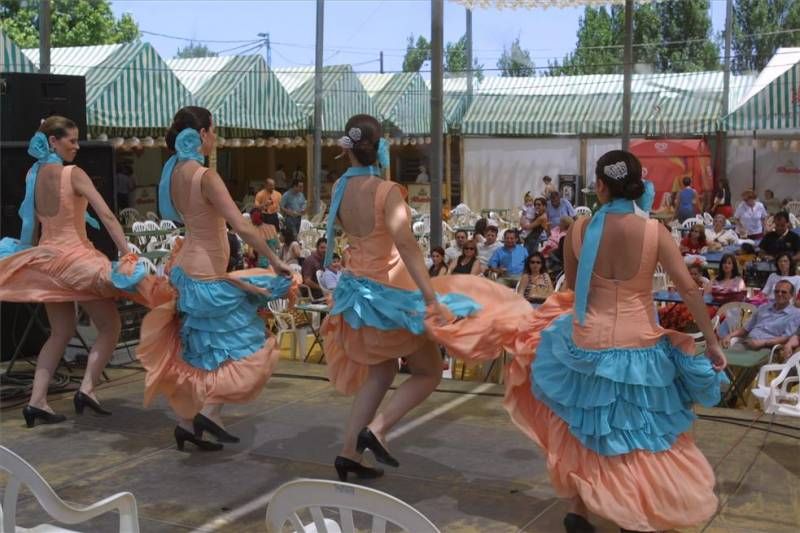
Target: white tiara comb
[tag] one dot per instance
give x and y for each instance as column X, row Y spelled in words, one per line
column 617, row 171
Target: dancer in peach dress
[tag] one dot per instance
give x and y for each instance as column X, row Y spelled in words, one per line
column 605, row 391
column 63, row 267
column 203, row 344
column 385, row 306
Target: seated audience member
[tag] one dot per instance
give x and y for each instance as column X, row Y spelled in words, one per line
column 479, row 233
column 509, row 260
column 772, row 204
column 235, row 258
column 781, row 239
column 311, row 264
column 453, row 251
column 695, row 242
column 533, row 222
column 438, row 265
column 786, row 270
column 467, row 262
column 291, row 251
column 558, row 207
column 773, row 323
column 535, row 284
column 489, row 245
column 330, row 277
column 790, row 346
column 750, row 216
column 697, row 271
column 728, row 280
column 718, row 237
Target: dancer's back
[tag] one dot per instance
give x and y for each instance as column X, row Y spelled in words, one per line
column 620, row 305
column 205, row 249
column 59, row 209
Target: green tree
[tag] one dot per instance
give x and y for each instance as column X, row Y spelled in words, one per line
column 686, row 20
column 416, row 53
column 194, row 50
column 515, row 61
column 596, row 51
column 455, row 60
column 73, row 23
column 752, row 47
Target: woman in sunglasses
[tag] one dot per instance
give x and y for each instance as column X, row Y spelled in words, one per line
column 535, row 284
column 467, row 262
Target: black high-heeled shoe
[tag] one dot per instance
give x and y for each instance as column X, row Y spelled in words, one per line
column 368, row 440
column 82, row 401
column 181, row 436
column 575, row 523
column 343, row 466
column 203, row 423
column 31, row 414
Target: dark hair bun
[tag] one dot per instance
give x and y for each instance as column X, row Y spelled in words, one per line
column 366, row 148
column 633, row 189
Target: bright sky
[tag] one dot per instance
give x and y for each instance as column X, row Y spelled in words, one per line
column 355, row 30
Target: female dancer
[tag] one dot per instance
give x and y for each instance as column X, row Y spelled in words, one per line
column 386, row 306
column 609, row 393
column 203, row 344
column 64, row 267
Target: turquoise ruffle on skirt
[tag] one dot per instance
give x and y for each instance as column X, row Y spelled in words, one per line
column 618, row 400
column 219, row 320
column 10, row 246
column 365, row 302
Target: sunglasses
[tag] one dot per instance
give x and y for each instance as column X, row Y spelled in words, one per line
column 535, row 262
column 468, row 248
column 783, row 292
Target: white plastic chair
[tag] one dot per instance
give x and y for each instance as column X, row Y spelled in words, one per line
column 708, row 220
column 346, row 499
column 660, row 279
column 167, row 225
column 793, row 208
column 287, row 326
column 689, row 223
column 559, row 283
column 583, row 211
column 151, row 225
column 151, row 216
column 130, row 215
column 319, row 282
column 21, row 473
column 306, row 225
column 134, row 249
column 775, row 397
column 793, row 220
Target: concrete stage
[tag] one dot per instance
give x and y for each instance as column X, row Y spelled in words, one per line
column 463, row 463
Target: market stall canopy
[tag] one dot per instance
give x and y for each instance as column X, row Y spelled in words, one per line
column 243, row 95
column 342, row 95
column 661, row 104
column 130, row 90
column 773, row 101
column 11, row 57
column 402, row 99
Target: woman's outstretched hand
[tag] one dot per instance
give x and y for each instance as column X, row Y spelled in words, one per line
column 717, row 357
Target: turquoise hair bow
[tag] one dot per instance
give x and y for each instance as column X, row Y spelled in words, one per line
column 187, row 146
column 39, row 149
column 591, row 243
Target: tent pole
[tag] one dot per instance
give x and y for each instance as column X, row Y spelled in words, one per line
column 318, row 108
column 437, row 134
column 44, row 36
column 627, row 73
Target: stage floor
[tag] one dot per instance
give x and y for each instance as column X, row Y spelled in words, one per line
column 463, row 463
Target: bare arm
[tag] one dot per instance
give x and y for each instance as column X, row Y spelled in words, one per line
column 82, row 184
column 217, row 194
column 476, row 268
column 400, row 229
column 523, row 282
column 670, row 258
column 570, row 259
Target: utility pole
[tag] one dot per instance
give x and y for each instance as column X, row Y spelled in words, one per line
column 726, row 91
column 627, row 60
column 318, row 108
column 469, row 56
column 44, row 36
column 381, row 59
column 437, row 67
column 268, row 48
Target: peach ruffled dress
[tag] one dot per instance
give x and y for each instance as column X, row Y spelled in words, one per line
column 609, row 402
column 64, row 266
column 203, row 342
column 378, row 312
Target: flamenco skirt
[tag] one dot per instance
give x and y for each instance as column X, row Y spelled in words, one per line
column 371, row 322
column 614, row 423
column 203, row 342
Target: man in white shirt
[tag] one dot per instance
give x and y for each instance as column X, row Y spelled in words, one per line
column 423, row 177
column 489, row 245
column 750, row 216
column 454, row 252
column 718, row 236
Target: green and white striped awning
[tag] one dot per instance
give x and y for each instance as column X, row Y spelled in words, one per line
column 773, row 102
column 342, row 95
column 11, row 57
column 244, row 97
column 130, row 90
column 661, row 104
column 454, row 93
column 403, row 99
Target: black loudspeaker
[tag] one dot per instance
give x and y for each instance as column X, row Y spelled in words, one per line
column 26, row 99
column 94, row 157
